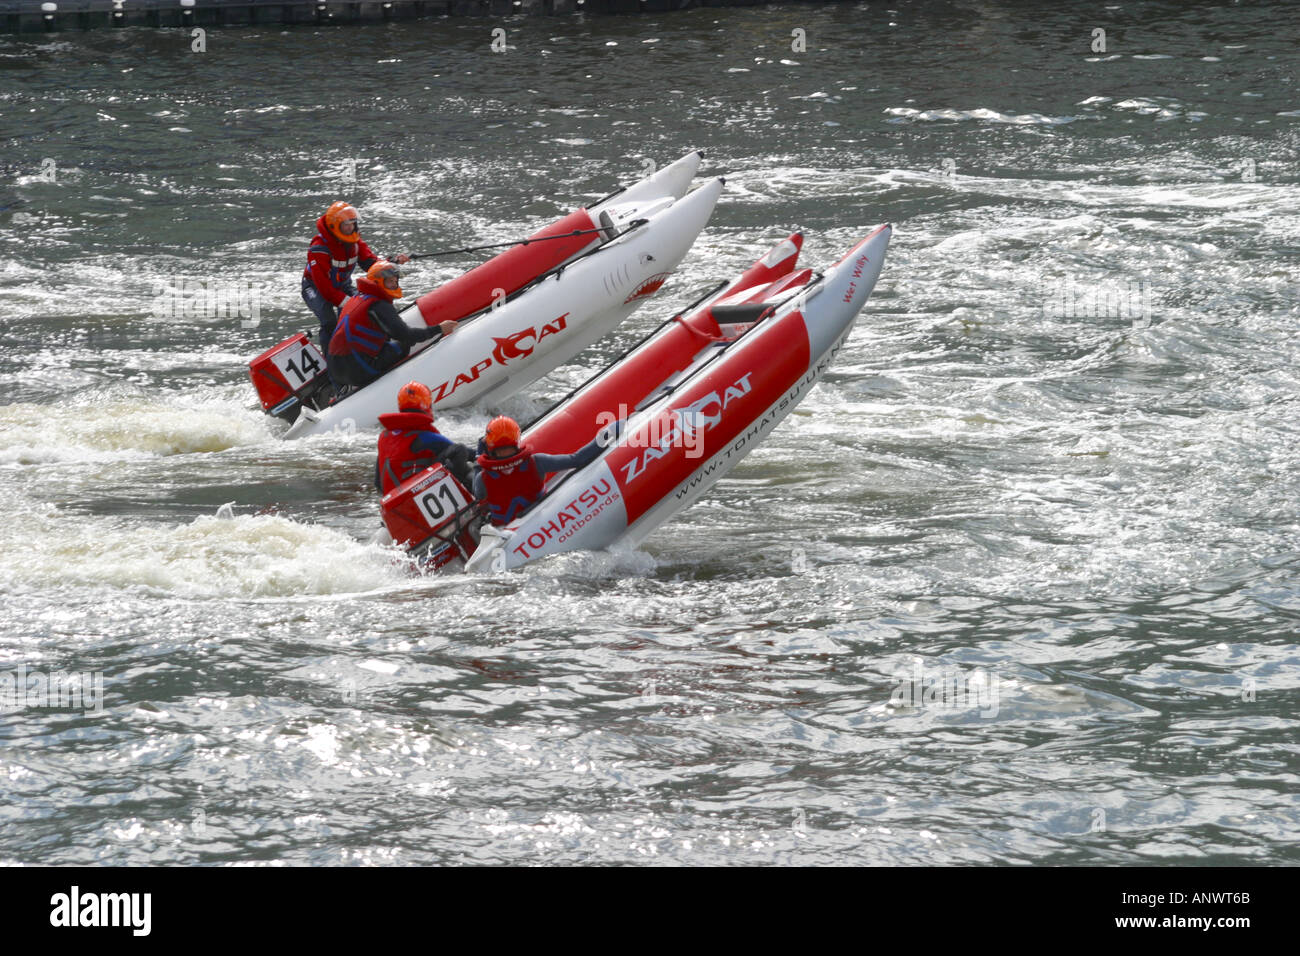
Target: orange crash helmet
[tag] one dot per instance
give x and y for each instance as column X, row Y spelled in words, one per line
column 502, row 431
column 387, row 276
column 341, row 220
column 415, row 397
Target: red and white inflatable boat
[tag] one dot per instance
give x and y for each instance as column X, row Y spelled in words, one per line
column 692, row 400
column 522, row 313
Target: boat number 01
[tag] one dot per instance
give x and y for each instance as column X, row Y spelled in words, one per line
column 307, row 365
column 438, row 502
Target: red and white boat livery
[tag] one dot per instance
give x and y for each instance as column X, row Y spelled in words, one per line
column 522, row 313
column 693, row 400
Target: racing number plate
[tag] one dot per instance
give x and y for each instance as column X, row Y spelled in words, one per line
column 300, row 364
column 440, row 501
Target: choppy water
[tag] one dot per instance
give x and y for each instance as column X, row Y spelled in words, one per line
column 1086, row 522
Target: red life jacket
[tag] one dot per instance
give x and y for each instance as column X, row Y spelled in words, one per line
column 334, row 259
column 511, row 485
column 356, row 331
column 397, row 459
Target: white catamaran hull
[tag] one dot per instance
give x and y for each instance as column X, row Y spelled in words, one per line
column 506, row 348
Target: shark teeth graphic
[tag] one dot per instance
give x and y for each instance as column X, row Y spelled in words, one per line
column 649, row 287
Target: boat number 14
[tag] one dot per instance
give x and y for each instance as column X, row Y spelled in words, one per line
column 305, row 366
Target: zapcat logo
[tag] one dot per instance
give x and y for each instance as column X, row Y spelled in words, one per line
column 698, row 415
column 689, row 421
column 515, row 346
column 512, row 346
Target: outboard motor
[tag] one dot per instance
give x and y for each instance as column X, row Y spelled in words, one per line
column 433, row 517
column 289, row 376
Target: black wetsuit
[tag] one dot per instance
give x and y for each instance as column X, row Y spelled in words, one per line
column 351, row 367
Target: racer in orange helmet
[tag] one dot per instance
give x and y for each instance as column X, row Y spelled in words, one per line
column 335, row 250
column 342, row 220
column 409, row 443
column 384, row 273
column 512, row 477
column 371, row 337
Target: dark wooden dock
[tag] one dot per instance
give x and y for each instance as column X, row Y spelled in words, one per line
column 31, row 16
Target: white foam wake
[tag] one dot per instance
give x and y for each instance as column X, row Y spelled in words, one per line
column 245, row 556
column 123, row 426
